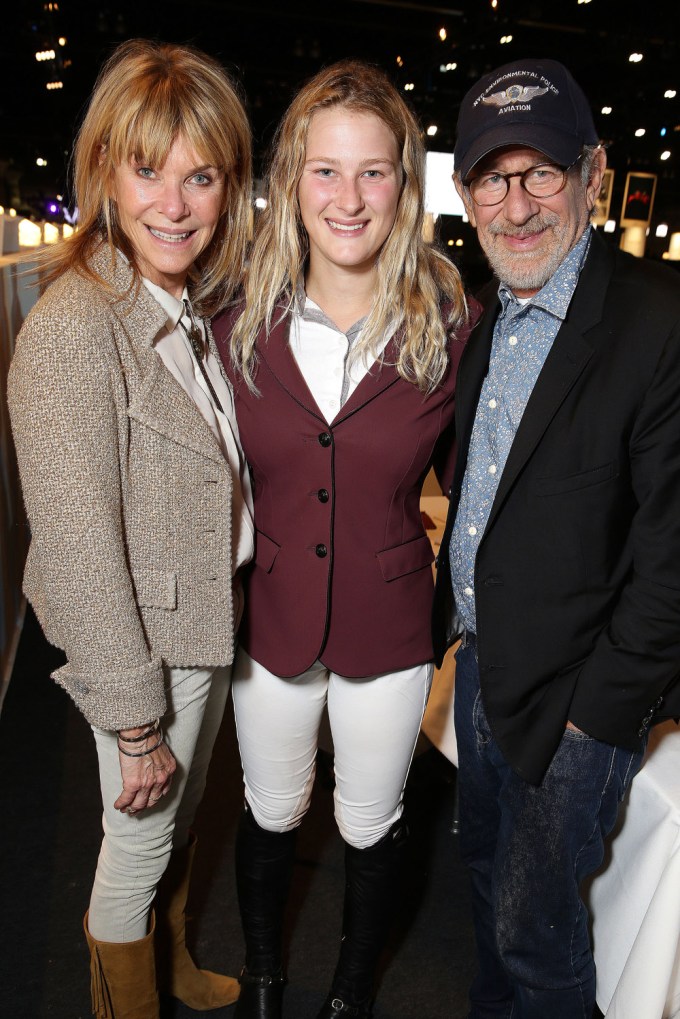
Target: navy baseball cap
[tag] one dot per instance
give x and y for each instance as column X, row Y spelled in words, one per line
column 528, row 102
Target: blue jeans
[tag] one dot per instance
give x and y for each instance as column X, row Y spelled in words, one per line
column 527, row 849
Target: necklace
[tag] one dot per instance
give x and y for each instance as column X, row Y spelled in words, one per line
column 193, row 333
column 195, row 338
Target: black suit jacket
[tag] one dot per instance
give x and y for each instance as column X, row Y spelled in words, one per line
column 577, row 577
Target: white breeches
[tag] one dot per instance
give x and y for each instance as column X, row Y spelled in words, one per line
column 374, row 722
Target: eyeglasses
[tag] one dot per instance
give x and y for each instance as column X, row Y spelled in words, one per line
column 545, row 180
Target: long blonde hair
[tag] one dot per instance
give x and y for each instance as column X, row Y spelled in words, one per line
column 148, row 94
column 413, row 278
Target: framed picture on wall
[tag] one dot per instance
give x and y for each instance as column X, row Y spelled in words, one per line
column 638, row 199
column 604, row 199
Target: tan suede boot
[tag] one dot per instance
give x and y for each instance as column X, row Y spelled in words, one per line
column 123, row 977
column 178, row 974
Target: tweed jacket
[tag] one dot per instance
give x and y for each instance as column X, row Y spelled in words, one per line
column 343, row 565
column 577, row 575
column 128, row 497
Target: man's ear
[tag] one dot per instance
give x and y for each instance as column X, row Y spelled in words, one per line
column 464, row 196
column 597, row 169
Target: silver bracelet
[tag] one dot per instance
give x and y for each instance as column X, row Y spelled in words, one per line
column 142, row 753
column 153, row 727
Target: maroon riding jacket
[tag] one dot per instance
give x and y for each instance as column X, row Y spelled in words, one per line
column 342, row 567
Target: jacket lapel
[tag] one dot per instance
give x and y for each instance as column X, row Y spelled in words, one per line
column 158, row 401
column 474, row 365
column 573, row 347
column 381, row 375
column 277, row 358
column 161, row 404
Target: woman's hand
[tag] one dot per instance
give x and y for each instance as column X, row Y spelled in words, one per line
column 145, row 778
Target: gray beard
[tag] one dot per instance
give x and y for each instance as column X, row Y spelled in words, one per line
column 535, row 273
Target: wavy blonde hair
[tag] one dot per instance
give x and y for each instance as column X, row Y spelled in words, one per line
column 148, row 94
column 413, row 278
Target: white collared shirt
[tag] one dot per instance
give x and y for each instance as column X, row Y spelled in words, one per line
column 322, row 353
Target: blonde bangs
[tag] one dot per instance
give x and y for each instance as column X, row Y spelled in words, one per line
column 146, row 131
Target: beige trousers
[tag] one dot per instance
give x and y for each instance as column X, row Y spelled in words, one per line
column 136, row 848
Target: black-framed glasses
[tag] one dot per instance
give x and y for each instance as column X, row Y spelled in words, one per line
column 544, row 180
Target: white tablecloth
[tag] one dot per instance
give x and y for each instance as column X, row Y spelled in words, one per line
column 635, row 899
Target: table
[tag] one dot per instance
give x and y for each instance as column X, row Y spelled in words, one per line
column 438, row 719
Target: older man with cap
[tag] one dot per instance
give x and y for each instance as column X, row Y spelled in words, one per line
column 560, row 563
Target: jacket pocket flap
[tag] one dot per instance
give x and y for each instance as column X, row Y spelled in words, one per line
column 156, row 589
column 266, row 551
column 574, row 482
column 407, row 558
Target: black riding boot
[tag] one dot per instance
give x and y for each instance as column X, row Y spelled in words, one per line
column 371, row 892
column 264, row 865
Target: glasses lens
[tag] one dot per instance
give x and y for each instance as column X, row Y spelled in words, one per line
column 489, row 188
column 543, row 181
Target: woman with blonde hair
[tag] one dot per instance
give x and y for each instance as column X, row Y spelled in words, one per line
column 136, row 490
column 342, row 354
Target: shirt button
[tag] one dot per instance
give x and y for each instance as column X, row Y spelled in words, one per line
column 492, row 469
column 472, row 530
column 325, row 439
column 321, row 551
column 322, row 495
column 492, row 403
column 512, row 341
column 468, row 591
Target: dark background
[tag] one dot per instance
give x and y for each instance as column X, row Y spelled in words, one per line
column 272, row 47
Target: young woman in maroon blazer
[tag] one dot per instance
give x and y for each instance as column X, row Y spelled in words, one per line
column 343, row 358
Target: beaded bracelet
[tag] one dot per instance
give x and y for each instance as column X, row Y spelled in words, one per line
column 142, row 753
column 153, row 727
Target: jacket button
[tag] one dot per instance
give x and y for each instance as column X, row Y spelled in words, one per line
column 325, row 439
column 321, row 551
column 322, row 495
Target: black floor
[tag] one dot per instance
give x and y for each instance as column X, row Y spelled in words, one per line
column 49, row 813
